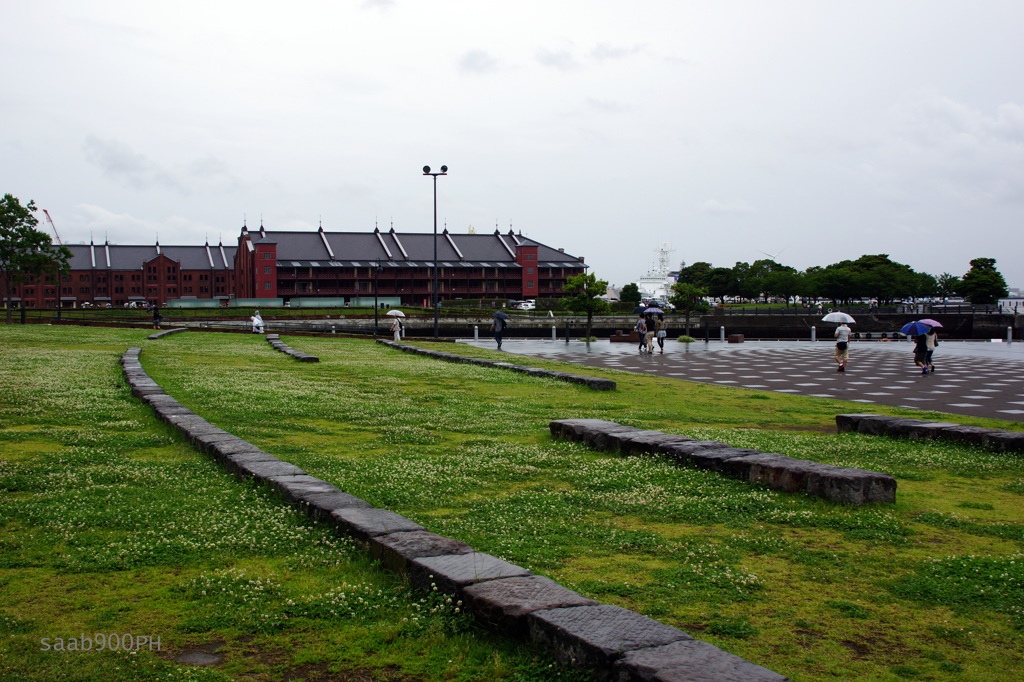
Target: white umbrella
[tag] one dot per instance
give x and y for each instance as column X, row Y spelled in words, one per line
column 838, row 317
column 395, row 313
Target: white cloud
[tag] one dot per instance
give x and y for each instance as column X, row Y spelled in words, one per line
column 478, row 61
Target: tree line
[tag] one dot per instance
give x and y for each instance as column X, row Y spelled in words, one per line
column 871, row 277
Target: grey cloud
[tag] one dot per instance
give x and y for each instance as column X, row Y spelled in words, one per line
column 558, row 59
column 122, row 163
column 603, row 51
column 478, row 61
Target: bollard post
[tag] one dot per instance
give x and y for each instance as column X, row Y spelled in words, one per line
column 814, row 333
column 567, row 331
column 721, row 334
column 1009, row 335
column 476, row 332
column 554, row 332
column 332, row 329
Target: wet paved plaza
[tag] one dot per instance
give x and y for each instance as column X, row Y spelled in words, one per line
column 977, row 378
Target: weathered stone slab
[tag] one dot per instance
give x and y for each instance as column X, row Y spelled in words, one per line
column 785, row 473
column 928, row 430
column 363, row 524
column 739, row 467
column 848, row 422
column 900, row 428
column 320, row 506
column 688, row 661
column 264, row 469
column 646, row 442
column 851, row 486
column 396, row 550
column 450, row 573
column 575, row 429
column 597, row 636
column 294, row 488
column 684, row 451
column 716, row 459
column 1005, row 441
column 503, row 604
column 186, row 421
column 165, row 411
column 233, row 449
column 141, row 390
column 968, row 435
column 874, row 424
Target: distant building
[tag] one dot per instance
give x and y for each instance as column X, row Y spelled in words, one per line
column 317, row 264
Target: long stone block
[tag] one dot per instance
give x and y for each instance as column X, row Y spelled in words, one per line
column 875, row 424
column 851, row 486
column 597, row 636
column 717, row 459
column 968, row 435
column 362, row 524
column 786, row 474
column 264, row 470
column 503, row 604
column 1005, row 441
column 575, row 429
column 927, row 430
column 684, row 451
column 849, row 422
column 688, row 661
column 450, row 573
column 234, row 449
column 395, row 550
column 292, row 488
column 320, row 506
column 641, row 442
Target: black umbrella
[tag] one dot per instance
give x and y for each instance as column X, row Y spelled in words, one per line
column 501, row 315
column 639, row 309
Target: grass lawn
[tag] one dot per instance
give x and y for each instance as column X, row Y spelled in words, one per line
column 111, row 523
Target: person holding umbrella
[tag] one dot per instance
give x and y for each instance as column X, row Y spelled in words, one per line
column 396, row 323
column 842, row 334
column 498, row 325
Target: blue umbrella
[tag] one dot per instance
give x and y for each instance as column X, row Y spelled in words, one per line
column 915, row 329
column 501, row 315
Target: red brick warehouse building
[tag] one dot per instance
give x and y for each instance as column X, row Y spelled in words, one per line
column 318, row 264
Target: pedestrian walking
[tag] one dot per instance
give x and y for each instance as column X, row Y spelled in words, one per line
column 257, row 323
column 921, row 352
column 396, row 328
column 157, row 317
column 641, row 330
column 660, row 332
column 931, row 341
column 842, row 351
column 498, row 324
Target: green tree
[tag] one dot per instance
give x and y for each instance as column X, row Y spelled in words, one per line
column 983, row 283
column 584, row 297
column 630, row 293
column 947, row 284
column 696, row 274
column 25, row 251
column 688, row 300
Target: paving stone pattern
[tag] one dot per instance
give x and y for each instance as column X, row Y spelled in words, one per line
column 613, row 642
column 836, row 484
column 590, row 382
column 275, row 341
column 972, row 378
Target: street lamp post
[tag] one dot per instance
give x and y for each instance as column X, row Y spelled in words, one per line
column 444, row 171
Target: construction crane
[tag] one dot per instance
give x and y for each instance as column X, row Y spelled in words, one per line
column 50, row 220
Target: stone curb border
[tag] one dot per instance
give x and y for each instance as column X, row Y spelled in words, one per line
column 617, row 643
column 901, row 427
column 836, row 484
column 590, row 382
column 166, row 332
column 275, row 341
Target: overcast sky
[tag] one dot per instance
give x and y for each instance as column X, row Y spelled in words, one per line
column 815, row 131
